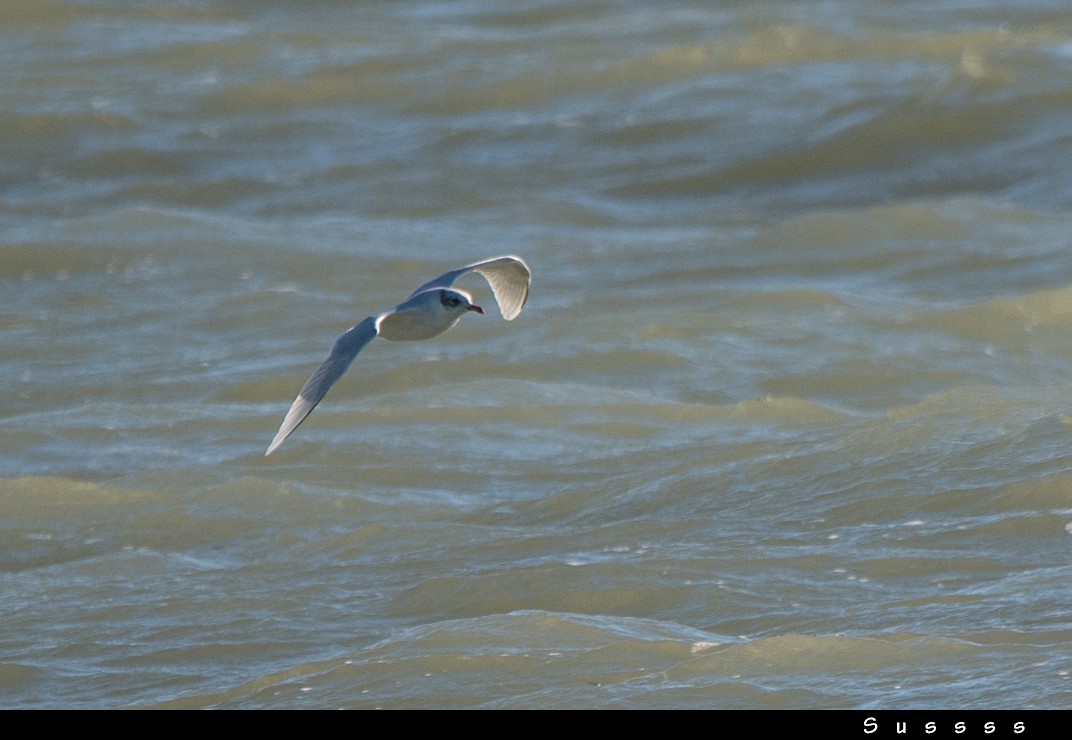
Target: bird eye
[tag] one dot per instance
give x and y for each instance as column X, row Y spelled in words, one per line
column 450, row 299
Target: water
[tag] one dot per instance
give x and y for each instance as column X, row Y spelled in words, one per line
column 785, row 423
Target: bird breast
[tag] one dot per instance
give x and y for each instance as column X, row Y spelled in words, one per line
column 415, row 324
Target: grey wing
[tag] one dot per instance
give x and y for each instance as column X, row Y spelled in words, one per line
column 508, row 276
column 342, row 354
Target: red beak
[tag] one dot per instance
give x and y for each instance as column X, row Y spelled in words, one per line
column 474, row 307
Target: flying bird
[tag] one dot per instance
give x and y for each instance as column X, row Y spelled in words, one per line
column 428, row 312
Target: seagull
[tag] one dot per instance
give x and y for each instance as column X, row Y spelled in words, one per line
column 428, row 312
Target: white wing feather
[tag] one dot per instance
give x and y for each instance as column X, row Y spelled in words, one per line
column 342, row 354
column 508, row 276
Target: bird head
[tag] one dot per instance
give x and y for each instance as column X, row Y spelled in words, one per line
column 458, row 301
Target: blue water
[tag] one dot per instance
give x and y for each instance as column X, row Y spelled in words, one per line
column 782, row 425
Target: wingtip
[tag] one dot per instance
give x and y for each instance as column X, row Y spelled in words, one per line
column 276, row 443
column 279, row 440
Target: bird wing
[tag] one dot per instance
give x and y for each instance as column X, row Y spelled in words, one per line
column 342, row 354
column 508, row 276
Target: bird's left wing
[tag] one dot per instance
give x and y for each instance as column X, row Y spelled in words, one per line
column 342, row 354
column 508, row 276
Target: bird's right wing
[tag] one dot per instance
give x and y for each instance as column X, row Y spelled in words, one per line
column 342, row 354
column 508, row 277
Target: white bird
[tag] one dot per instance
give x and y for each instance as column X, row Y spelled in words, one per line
column 428, row 312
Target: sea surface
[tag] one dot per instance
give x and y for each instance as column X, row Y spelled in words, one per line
column 785, row 424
